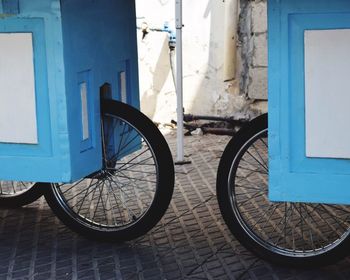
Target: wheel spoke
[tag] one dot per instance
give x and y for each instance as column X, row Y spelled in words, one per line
column 85, row 196
column 14, row 188
column 128, row 165
column 134, row 158
column 81, row 191
column 258, row 161
column 121, row 175
column 73, row 186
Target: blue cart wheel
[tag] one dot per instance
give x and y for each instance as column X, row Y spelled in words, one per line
column 16, row 194
column 291, row 234
column 130, row 194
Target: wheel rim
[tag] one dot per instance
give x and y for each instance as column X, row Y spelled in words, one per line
column 14, row 188
column 289, row 229
column 120, row 194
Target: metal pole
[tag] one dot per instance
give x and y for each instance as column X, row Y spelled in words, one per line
column 179, row 84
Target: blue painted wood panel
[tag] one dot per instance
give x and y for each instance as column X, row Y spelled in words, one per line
column 74, row 42
column 293, row 176
column 100, row 39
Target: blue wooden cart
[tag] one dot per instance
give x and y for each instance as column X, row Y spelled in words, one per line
column 283, row 182
column 63, row 66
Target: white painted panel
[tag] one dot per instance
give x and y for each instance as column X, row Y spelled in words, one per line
column 327, row 93
column 84, row 110
column 123, row 91
column 18, row 122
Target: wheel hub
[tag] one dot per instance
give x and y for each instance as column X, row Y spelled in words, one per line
column 101, row 174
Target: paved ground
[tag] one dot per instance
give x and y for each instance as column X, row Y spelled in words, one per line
column 191, row 242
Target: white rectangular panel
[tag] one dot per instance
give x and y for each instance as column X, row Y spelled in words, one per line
column 327, row 93
column 123, row 92
column 18, row 123
column 84, row 110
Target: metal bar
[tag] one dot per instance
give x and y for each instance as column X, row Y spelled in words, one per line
column 230, row 43
column 232, row 120
column 218, row 131
column 179, row 84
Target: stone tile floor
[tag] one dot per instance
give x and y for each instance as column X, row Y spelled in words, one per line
column 191, row 241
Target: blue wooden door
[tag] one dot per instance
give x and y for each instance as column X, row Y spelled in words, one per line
column 309, row 101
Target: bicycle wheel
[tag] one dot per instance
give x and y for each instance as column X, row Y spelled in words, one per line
column 132, row 191
column 292, row 234
column 16, row 194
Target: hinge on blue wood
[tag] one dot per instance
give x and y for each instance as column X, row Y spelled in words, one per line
column 10, row 7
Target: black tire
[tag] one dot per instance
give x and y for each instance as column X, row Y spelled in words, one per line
column 289, row 234
column 129, row 201
column 17, row 194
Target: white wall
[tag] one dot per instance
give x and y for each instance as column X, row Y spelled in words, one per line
column 205, row 91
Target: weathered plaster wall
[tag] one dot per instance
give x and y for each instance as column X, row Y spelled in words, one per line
column 252, row 33
column 205, row 91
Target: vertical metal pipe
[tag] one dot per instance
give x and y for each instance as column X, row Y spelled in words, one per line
column 230, row 49
column 179, row 84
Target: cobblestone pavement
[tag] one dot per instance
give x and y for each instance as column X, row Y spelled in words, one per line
column 191, row 241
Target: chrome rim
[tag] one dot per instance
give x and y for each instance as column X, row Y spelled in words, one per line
column 122, row 192
column 289, row 229
column 14, row 188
